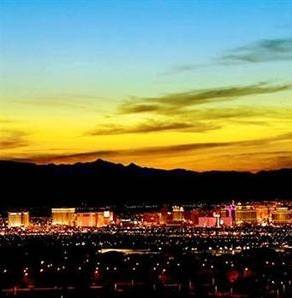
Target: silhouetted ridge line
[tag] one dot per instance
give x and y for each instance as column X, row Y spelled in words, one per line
column 101, row 182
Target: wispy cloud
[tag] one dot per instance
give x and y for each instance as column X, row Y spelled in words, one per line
column 183, row 112
column 156, row 151
column 240, row 113
column 283, row 161
column 190, row 111
column 265, row 50
column 260, row 51
column 181, row 68
column 151, row 126
column 5, row 121
column 255, row 159
column 12, row 139
column 175, row 102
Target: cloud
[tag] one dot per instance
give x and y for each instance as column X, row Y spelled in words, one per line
column 6, row 121
column 177, row 102
column 241, row 113
column 284, row 161
column 154, row 126
column 65, row 157
column 157, row 151
column 264, row 50
column 174, row 149
column 187, row 111
column 255, row 159
column 128, row 108
column 225, row 113
column 184, row 68
column 12, row 139
column 92, row 155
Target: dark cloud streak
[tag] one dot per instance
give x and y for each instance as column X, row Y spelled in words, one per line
column 178, row 149
column 12, row 139
column 177, row 102
column 260, row 51
column 265, row 50
column 154, row 126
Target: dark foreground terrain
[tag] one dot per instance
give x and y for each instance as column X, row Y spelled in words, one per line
column 153, row 262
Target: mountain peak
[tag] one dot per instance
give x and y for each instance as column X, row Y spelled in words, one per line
column 102, row 182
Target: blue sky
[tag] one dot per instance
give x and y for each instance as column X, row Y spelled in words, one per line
column 58, row 55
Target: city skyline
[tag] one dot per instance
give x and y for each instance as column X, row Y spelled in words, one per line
column 201, row 85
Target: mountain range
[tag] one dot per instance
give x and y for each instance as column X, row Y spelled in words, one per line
column 102, row 183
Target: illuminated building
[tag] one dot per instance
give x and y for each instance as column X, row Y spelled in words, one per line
column 225, row 212
column 207, row 222
column 263, row 213
column 227, row 216
column 281, row 215
column 231, row 211
column 217, row 217
column 86, row 219
column 18, row 219
column 163, row 216
column 226, row 221
column 151, row 218
column 245, row 214
column 94, row 219
column 192, row 217
column 166, row 217
column 104, row 218
column 99, row 219
column 108, row 217
column 63, row 216
column 178, row 213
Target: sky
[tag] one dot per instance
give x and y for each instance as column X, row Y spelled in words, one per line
column 200, row 85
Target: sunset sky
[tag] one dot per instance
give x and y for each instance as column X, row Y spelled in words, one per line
column 202, row 85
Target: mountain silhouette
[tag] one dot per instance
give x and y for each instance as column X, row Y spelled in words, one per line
column 102, row 183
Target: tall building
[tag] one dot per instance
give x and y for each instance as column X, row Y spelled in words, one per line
column 86, row 219
column 163, row 215
column 192, row 217
column 178, row 213
column 245, row 214
column 63, row 216
column 227, row 215
column 226, row 221
column 217, row 218
column 263, row 213
column 207, row 222
column 224, row 212
column 166, row 216
column 94, row 219
column 108, row 217
column 151, row 218
column 281, row 215
column 18, row 219
column 231, row 211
